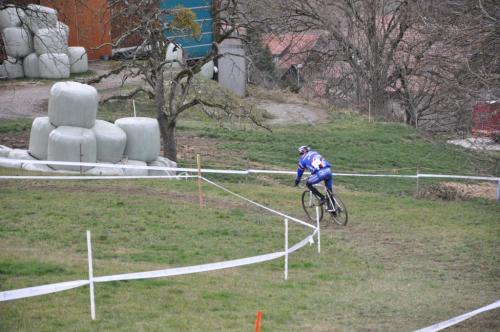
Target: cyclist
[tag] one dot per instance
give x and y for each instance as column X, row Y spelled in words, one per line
column 320, row 170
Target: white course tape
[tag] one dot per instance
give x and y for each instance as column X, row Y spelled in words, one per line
column 240, row 172
column 308, row 240
column 95, row 177
column 41, row 290
column 463, row 177
column 456, row 320
column 260, row 205
column 191, row 269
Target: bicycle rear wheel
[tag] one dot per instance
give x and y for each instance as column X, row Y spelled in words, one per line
column 309, row 204
column 340, row 215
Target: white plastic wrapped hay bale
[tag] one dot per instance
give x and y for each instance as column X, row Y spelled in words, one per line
column 73, row 104
column 17, row 41
column 143, row 138
column 162, row 162
column 11, row 17
column 13, row 68
column 63, row 30
column 105, row 171
column 39, row 137
column 111, row 141
column 50, row 40
column 78, row 59
column 135, row 171
column 72, row 144
column 31, row 66
column 54, row 65
column 4, row 151
column 3, row 71
column 39, row 17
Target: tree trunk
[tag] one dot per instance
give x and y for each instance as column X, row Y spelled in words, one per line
column 167, row 128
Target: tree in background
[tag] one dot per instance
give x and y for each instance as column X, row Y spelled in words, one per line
column 428, row 59
column 262, row 70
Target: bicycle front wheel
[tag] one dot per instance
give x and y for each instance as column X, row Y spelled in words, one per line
column 309, row 203
column 340, row 215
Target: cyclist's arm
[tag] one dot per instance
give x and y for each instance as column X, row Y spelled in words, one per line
column 300, row 171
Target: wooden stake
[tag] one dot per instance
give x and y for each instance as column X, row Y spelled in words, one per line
column 200, row 192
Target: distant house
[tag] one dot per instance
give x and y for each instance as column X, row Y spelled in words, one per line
column 290, row 53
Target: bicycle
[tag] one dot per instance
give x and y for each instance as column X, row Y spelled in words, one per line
column 333, row 206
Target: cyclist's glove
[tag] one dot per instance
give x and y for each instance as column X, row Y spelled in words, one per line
column 297, row 182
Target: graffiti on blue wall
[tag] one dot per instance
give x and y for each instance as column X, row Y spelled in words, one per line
column 194, row 47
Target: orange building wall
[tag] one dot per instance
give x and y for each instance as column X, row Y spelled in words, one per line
column 89, row 24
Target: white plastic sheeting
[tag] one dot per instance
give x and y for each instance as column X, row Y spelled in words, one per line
column 50, row 40
column 174, row 56
column 162, row 162
column 10, row 17
column 20, row 154
column 134, row 171
column 37, row 168
column 39, row 137
column 111, row 141
column 54, row 65
column 18, row 42
column 13, row 68
column 105, row 171
column 4, row 151
column 143, row 138
column 31, row 66
column 78, row 59
column 72, row 144
column 7, row 163
column 207, row 70
column 40, row 17
column 73, row 104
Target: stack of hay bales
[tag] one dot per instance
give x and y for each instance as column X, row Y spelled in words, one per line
column 36, row 44
column 71, row 133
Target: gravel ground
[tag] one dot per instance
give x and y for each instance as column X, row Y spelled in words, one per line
column 28, row 98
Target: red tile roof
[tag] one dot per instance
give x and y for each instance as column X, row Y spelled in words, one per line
column 291, row 48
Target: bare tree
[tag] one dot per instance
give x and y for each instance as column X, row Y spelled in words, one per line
column 174, row 85
column 429, row 58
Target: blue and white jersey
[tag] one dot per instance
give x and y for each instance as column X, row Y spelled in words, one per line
column 313, row 162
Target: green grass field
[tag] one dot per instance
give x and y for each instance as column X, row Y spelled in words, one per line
column 400, row 264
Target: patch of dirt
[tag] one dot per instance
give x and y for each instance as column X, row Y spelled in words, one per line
column 452, row 191
column 18, row 140
column 292, row 113
column 189, row 145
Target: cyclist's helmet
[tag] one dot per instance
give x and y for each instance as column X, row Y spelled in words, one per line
column 303, row 149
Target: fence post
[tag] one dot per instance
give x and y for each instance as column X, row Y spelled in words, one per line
column 317, row 225
column 91, row 276
column 498, row 191
column 418, row 184
column 286, row 249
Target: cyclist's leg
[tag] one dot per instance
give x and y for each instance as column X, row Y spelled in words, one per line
column 311, row 181
column 328, row 177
